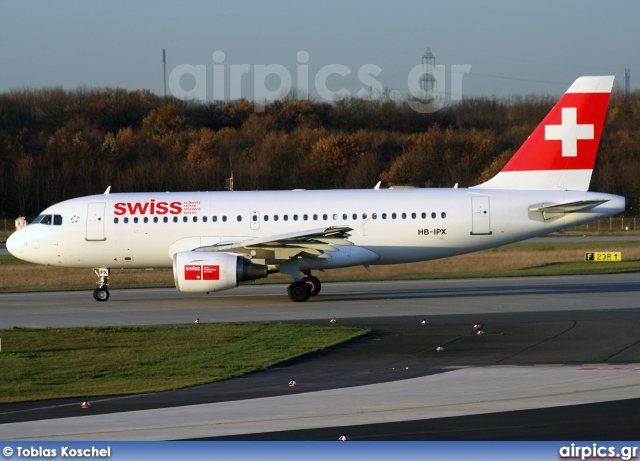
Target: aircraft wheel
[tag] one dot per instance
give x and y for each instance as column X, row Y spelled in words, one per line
column 315, row 284
column 100, row 294
column 299, row 291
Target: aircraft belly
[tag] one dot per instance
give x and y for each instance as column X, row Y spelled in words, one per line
column 398, row 255
column 346, row 256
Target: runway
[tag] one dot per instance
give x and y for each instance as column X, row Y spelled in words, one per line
column 560, row 356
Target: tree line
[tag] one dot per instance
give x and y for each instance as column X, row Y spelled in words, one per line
column 57, row 144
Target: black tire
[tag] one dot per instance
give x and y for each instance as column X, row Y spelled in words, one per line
column 100, row 294
column 299, row 291
column 315, row 284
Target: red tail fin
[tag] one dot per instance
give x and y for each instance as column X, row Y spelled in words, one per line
column 561, row 151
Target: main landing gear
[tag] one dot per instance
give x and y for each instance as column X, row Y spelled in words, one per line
column 303, row 289
column 102, row 293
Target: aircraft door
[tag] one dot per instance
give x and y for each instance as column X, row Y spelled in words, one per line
column 255, row 220
column 481, row 215
column 95, row 221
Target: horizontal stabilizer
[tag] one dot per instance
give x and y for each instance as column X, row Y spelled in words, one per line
column 570, row 207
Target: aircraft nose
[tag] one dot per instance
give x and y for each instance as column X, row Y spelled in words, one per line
column 15, row 244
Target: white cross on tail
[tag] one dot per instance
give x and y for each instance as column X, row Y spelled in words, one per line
column 568, row 132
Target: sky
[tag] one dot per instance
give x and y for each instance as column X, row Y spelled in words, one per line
column 482, row 48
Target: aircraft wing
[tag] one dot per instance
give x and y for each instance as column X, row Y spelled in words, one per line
column 312, row 242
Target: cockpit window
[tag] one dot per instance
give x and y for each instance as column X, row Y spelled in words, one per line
column 48, row 219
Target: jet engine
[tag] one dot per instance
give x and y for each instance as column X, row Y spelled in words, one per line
column 203, row 272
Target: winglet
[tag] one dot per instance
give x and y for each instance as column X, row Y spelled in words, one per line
column 108, row 191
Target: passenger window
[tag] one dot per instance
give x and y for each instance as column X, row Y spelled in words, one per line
column 175, row 219
column 413, row 216
column 443, row 215
column 315, row 217
column 374, row 215
column 115, row 220
column 295, row 217
column 424, row 215
column 146, row 220
column 286, row 217
column 165, row 219
column 239, row 218
column 185, row 219
column 266, row 217
column 155, row 219
column 345, row 217
column 224, row 219
column 433, row 215
column 324, row 217
column 384, row 215
column 135, row 220
column 195, row 219
column 254, row 218
column 393, row 216
column 364, row 215
column 57, row 220
column 126, row 220
column 214, row 218
column 204, row 219
column 355, row 216
column 275, row 217
column 305, row 217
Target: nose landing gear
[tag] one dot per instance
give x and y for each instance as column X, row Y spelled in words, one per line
column 102, row 293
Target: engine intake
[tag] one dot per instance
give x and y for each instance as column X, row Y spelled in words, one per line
column 203, row 272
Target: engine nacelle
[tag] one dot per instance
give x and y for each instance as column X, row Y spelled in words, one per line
column 203, row 272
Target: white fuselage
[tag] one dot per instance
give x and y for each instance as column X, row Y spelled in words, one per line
column 128, row 230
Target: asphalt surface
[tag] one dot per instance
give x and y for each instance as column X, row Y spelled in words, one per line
column 535, row 322
column 343, row 300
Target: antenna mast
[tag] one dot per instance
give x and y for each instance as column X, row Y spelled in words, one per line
column 164, row 73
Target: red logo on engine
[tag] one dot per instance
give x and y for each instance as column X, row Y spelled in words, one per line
column 210, row 272
column 193, row 272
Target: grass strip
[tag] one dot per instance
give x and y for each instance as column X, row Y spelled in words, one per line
column 53, row 363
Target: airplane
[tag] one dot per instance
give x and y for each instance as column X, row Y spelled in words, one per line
column 216, row 240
